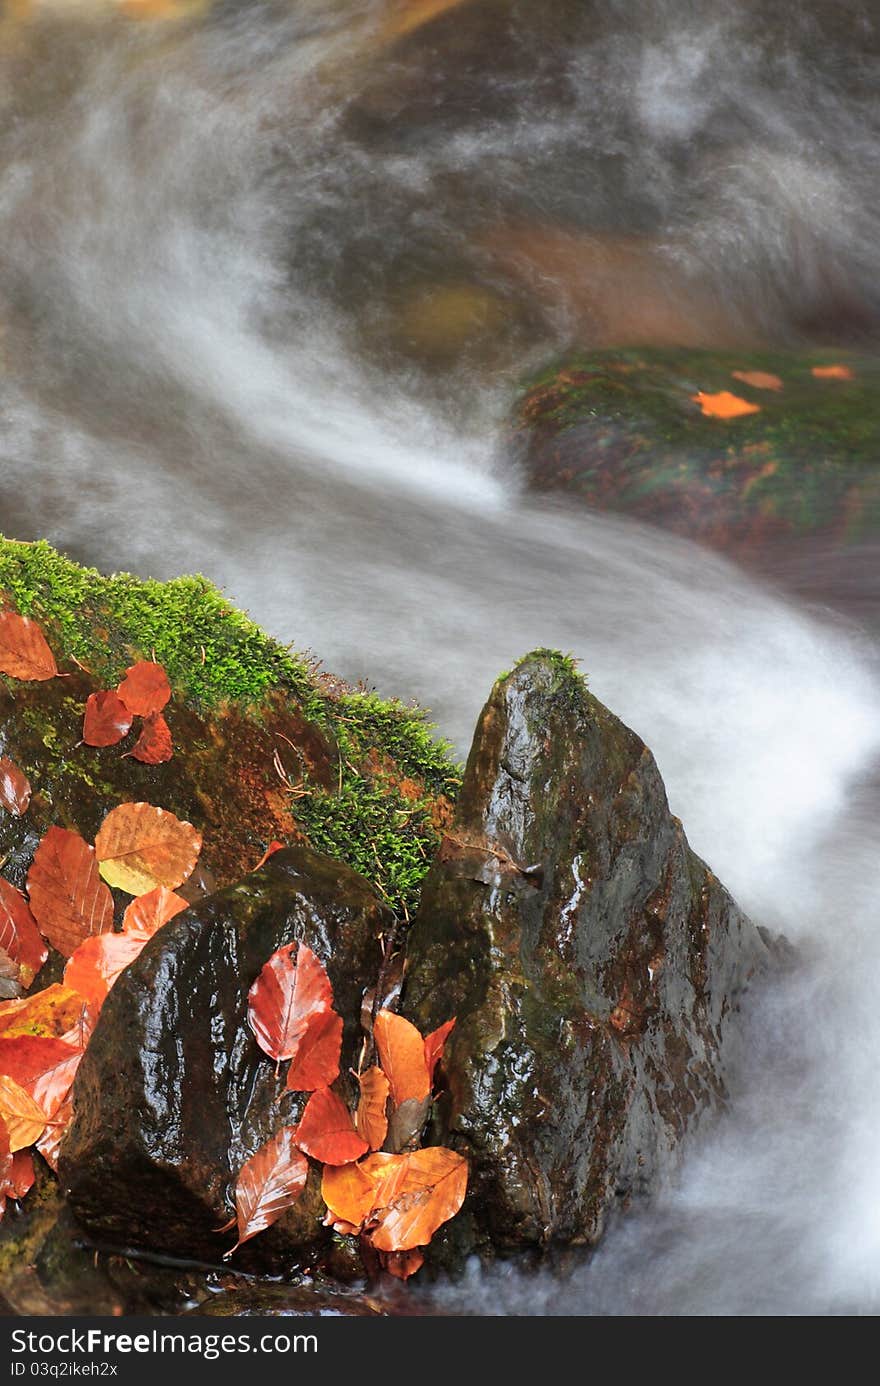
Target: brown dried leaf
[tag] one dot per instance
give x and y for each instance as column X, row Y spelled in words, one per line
column 68, row 898
column 15, row 788
column 24, row 653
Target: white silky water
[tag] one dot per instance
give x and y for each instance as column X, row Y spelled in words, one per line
column 204, row 220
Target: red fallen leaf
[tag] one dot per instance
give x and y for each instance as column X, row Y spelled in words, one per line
column 326, row 1130
column 69, row 900
column 24, row 653
column 288, row 991
column 15, row 788
column 145, row 688
column 140, row 847
column 51, row 1088
column 371, row 1119
column 95, row 965
column 316, row 1061
column 435, row 1043
column 269, row 852
column 50, row 1142
column 25, row 1121
column 27, row 1057
column 416, row 1194
column 759, row 380
column 402, row 1264
column 52, row 1011
column 149, row 912
column 402, row 1056
column 20, row 1177
column 19, row 935
column 153, row 746
column 106, row 720
column 724, row 405
column 269, row 1183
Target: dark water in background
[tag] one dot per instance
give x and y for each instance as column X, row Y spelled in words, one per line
column 223, row 234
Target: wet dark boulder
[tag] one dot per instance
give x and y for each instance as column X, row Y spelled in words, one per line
column 173, row 1094
column 594, row 962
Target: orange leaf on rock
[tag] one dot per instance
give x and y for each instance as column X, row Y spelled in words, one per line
column 402, row 1056
column 416, row 1194
column 149, row 912
column 25, row 1121
column 435, row 1043
column 269, row 1183
column 27, row 1057
column 97, row 962
column 19, row 935
column 145, row 688
column 140, row 847
column 292, row 986
column 724, row 405
column 759, row 380
column 833, row 373
column 24, row 653
column 269, row 852
column 106, row 720
column 50, row 1141
column 402, row 1264
column 316, row 1061
column 349, row 1192
column 20, row 1177
column 53, row 1011
column 371, row 1119
column 69, row 900
column 51, row 1088
column 15, row 788
column 326, row 1130
column 153, row 746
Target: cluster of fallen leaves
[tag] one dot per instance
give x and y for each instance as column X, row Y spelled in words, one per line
column 726, row 405
column 142, row 850
column 376, row 1182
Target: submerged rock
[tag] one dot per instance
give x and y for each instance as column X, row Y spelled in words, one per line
column 626, row 431
column 594, row 962
column 174, row 1095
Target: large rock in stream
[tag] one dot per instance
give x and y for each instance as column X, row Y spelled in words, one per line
column 173, row 1094
column 595, row 965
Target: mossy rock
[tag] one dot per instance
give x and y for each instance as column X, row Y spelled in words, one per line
column 625, row 431
column 268, row 746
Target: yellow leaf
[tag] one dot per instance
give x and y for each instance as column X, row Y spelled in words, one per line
column 140, row 847
column 53, row 1011
column 25, row 1121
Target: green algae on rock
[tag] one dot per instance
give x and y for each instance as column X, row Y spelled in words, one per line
column 594, row 963
column 623, row 431
column 357, row 776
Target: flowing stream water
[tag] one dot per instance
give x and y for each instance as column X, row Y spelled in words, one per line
column 223, row 230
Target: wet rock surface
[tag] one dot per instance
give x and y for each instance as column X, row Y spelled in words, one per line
column 594, row 962
column 174, row 1095
column 623, row 431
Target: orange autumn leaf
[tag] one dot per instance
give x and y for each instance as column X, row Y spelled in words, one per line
column 26, row 1058
column 98, row 962
column 25, row 1121
column 140, row 847
column 371, row 1119
column 292, row 987
column 19, row 935
column 145, row 688
column 435, row 1043
column 316, row 1061
column 54, row 1011
column 69, row 900
column 402, row 1264
column 106, row 719
column 153, row 746
column 20, row 1177
column 269, row 852
column 724, row 405
column 24, row 653
column 15, row 788
column 269, row 1183
column 326, row 1130
column 402, row 1056
column 833, row 373
column 416, row 1194
column 149, row 912
column 50, row 1141
column 349, row 1192
column 759, row 380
